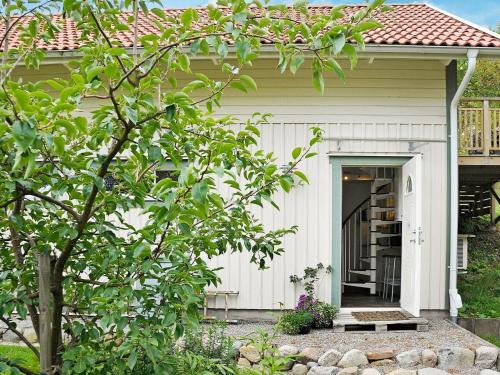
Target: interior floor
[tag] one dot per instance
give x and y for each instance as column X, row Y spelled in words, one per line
column 355, row 299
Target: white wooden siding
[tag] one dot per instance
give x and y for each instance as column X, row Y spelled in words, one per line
column 386, row 99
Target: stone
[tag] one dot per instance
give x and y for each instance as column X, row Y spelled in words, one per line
column 370, row 371
column 11, row 337
column 287, row 350
column 431, row 371
column 310, row 355
column 455, row 358
column 383, row 362
column 299, row 369
column 237, row 345
column 378, row 355
column 257, row 367
column 353, row 358
column 30, row 335
column 330, row 358
column 320, row 370
column 429, row 358
column 486, row 357
column 251, row 353
column 349, row 371
column 243, row 362
column 489, row 372
column 311, row 364
column 402, row 371
column 410, row 358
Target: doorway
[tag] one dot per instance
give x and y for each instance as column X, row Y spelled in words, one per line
column 381, row 249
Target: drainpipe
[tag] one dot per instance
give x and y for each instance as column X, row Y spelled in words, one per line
column 455, row 299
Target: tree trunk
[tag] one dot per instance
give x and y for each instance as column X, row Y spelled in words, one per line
column 45, row 313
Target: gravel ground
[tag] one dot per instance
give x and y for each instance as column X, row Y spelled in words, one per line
column 441, row 334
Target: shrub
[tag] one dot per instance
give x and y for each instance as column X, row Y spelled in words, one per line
column 323, row 313
column 295, row 322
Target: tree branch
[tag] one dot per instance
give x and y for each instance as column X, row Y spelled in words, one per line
column 9, row 324
column 46, row 198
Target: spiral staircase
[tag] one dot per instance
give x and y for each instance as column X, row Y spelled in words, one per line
column 370, row 231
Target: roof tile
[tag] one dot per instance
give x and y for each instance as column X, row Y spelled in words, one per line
column 411, row 24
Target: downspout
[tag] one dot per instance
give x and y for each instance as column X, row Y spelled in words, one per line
column 455, row 299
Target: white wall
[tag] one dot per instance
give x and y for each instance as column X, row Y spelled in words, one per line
column 385, row 99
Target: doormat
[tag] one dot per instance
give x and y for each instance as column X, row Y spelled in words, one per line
column 367, row 316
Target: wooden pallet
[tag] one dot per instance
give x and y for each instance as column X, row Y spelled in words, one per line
column 345, row 322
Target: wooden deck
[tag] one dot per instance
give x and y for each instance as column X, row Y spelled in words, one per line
column 345, row 322
column 479, row 131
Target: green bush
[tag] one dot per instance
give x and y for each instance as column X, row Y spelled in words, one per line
column 295, row 322
column 326, row 314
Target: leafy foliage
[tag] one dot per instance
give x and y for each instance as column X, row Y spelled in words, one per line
column 479, row 287
column 322, row 312
column 295, row 322
column 311, row 278
column 70, row 179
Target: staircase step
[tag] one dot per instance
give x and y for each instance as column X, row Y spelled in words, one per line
column 382, row 209
column 386, row 235
column 367, row 285
column 385, row 222
column 383, row 196
column 378, row 182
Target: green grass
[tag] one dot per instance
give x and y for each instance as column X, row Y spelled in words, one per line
column 480, row 286
column 20, row 355
column 495, row 340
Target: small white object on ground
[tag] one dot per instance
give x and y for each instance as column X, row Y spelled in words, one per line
column 353, row 358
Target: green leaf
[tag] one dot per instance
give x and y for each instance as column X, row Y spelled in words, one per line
column 318, row 82
column 22, row 98
column 24, row 135
column 199, row 191
column 334, row 66
column 117, row 51
column 301, row 175
column 296, row 152
column 338, row 43
column 249, row 81
column 183, row 61
column 285, row 184
column 295, row 63
column 132, row 359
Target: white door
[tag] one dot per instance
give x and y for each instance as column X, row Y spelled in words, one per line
column 412, row 235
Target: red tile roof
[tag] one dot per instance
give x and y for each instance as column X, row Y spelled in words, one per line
column 411, row 24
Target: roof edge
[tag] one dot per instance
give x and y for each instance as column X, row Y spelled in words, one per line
column 471, row 24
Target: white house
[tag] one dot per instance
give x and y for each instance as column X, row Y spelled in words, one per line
column 382, row 198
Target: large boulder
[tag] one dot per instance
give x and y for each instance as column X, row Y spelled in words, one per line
column 251, row 353
column 455, row 358
column 383, row 362
column 320, row 370
column 410, row 358
column 377, row 355
column 402, row 371
column 353, row 358
column 299, row 369
column 330, row 358
column 429, row 358
column 486, row 357
column 287, row 350
column 349, row 371
column 432, row 371
column 310, row 355
column 243, row 362
column 30, row 335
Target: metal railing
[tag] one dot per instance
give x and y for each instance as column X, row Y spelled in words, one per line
column 354, row 241
column 479, row 126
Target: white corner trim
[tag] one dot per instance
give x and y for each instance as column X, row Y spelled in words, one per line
column 472, row 24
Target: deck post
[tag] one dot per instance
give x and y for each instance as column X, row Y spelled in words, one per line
column 486, row 128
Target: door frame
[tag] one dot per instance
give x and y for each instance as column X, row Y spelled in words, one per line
column 339, row 161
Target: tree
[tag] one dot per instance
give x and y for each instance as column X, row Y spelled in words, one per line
column 69, row 259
